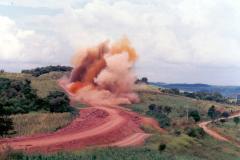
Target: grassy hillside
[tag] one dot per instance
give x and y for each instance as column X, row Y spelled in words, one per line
column 228, row 128
column 179, row 145
column 39, row 122
column 179, row 104
column 43, row 84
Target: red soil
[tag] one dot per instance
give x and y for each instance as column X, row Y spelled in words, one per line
column 96, row 126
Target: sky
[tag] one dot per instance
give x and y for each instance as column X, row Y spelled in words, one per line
column 178, row 41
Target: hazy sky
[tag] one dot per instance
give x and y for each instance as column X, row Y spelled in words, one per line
column 192, row 41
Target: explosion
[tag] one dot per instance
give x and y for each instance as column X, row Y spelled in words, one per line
column 103, row 75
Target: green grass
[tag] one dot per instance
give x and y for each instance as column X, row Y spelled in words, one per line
column 205, row 148
column 111, row 154
column 179, row 104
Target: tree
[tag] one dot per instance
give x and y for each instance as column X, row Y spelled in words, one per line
column 195, row 115
column 152, row 107
column 163, row 120
column 225, row 114
column 57, row 102
column 162, row 147
column 159, row 109
column 18, row 96
column 236, row 120
column 167, row 109
column 145, row 80
column 175, row 91
column 6, row 123
column 212, row 112
column 196, row 132
column 222, row 120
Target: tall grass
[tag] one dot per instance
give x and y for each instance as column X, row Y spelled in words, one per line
column 34, row 123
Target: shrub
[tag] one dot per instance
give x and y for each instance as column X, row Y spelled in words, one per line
column 167, row 109
column 162, row 147
column 177, row 132
column 195, row 115
column 17, row 96
column 152, row 107
column 195, row 132
column 163, row 120
column 6, row 125
column 57, row 102
column 222, row 120
column 225, row 114
column 236, row 120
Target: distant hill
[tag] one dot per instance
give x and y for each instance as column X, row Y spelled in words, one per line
column 227, row 91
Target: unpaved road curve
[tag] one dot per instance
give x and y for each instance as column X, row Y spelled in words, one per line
column 113, row 121
column 134, row 139
column 215, row 134
column 96, row 126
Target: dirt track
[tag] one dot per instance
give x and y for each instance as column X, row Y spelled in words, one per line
column 217, row 135
column 96, row 126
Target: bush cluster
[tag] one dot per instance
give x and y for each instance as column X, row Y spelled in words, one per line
column 161, row 114
column 18, row 97
column 195, row 132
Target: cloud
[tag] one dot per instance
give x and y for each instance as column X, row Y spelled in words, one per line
column 187, row 32
column 19, row 45
column 173, row 34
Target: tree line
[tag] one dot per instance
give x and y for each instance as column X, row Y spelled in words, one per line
column 43, row 70
column 210, row 96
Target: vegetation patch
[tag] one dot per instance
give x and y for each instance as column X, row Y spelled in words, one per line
column 229, row 128
column 36, row 123
column 108, row 154
column 43, row 70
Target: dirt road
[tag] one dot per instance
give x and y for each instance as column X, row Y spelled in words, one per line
column 215, row 134
column 96, row 126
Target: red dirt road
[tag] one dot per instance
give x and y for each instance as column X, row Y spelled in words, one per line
column 96, row 126
column 217, row 135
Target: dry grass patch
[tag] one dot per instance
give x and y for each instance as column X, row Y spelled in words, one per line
column 36, row 123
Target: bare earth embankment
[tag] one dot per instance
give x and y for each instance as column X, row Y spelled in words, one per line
column 96, row 126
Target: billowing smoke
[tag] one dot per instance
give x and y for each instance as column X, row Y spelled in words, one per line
column 103, row 75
